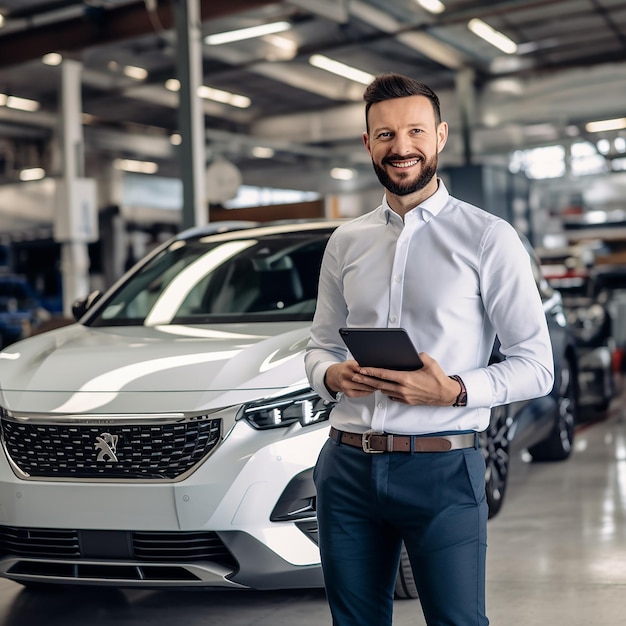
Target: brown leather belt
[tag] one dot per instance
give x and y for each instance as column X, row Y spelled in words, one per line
column 374, row 442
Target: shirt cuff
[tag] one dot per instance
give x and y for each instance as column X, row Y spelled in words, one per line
column 318, row 381
column 479, row 394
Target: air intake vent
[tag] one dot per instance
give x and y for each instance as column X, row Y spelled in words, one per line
column 144, row 546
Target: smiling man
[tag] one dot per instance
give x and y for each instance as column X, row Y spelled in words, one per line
column 402, row 463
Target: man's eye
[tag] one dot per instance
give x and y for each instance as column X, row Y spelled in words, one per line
column 384, row 135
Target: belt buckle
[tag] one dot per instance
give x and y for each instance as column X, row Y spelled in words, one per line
column 365, row 442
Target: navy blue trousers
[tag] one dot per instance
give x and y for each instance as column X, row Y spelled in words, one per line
column 367, row 504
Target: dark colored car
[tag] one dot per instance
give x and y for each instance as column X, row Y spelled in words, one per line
column 586, row 293
column 543, row 426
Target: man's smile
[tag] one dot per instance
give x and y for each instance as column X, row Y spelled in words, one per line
column 404, row 164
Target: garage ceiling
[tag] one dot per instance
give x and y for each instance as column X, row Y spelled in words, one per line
column 569, row 69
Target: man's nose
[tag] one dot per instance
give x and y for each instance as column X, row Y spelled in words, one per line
column 402, row 144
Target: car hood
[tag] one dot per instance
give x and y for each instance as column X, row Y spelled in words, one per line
column 137, row 369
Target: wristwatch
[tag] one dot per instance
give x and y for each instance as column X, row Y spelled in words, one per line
column 461, row 399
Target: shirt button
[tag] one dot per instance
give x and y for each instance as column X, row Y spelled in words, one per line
column 381, row 405
column 397, row 278
column 393, row 319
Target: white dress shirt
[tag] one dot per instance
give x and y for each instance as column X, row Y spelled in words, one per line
column 454, row 276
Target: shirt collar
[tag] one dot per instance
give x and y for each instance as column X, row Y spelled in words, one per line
column 429, row 208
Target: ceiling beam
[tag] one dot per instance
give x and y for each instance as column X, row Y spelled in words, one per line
column 420, row 41
column 102, row 27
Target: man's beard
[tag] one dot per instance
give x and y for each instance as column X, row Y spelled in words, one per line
column 429, row 169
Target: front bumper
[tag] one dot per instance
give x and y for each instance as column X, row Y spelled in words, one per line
column 92, row 532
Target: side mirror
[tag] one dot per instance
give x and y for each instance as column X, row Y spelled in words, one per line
column 82, row 305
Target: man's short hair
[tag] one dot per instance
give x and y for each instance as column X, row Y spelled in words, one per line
column 388, row 86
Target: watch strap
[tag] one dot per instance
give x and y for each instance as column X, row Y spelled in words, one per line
column 461, row 399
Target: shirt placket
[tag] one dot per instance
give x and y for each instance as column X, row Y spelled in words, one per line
column 384, row 407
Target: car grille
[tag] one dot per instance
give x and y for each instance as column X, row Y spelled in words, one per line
column 141, row 557
column 145, row 546
column 113, row 452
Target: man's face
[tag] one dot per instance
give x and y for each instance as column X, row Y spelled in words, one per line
column 404, row 143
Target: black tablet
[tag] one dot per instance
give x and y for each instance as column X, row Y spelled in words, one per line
column 390, row 348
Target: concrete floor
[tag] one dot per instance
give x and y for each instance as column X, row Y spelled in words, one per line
column 556, row 557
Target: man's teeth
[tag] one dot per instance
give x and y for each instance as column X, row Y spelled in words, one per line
column 405, row 163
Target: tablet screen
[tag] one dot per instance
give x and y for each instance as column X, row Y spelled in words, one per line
column 389, row 348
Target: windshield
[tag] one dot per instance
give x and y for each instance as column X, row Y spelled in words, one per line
column 219, row 279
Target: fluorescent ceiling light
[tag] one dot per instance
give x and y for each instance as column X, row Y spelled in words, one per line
column 138, row 73
column 52, row 58
column 235, row 100
column 21, row 104
column 346, row 71
column 217, row 95
column 602, row 125
column 262, row 152
column 139, row 167
column 434, row 6
column 342, row 173
column 176, row 139
column 1, row 20
column 246, row 33
column 33, row 173
column 492, row 36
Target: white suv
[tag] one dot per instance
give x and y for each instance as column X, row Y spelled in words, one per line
column 169, row 437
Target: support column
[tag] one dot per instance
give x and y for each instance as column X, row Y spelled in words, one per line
column 466, row 98
column 191, row 115
column 75, row 210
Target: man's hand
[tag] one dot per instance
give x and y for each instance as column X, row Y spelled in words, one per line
column 428, row 385
column 341, row 377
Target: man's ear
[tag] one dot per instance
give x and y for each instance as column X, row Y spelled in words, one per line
column 366, row 142
column 442, row 136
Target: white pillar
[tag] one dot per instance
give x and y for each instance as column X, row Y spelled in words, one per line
column 75, row 210
column 191, row 114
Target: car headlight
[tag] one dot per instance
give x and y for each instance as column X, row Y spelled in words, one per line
column 305, row 407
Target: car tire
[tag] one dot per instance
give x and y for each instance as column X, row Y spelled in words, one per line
column 558, row 445
column 494, row 444
column 405, row 582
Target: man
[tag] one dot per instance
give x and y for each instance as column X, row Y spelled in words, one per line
column 454, row 276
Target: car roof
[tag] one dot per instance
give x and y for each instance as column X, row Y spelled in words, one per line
column 256, row 229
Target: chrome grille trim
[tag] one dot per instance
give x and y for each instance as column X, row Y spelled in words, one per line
column 156, row 447
column 97, row 419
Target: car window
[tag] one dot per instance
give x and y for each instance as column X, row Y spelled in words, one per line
column 222, row 280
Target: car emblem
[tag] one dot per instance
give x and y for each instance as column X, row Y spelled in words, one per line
column 107, row 445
